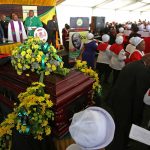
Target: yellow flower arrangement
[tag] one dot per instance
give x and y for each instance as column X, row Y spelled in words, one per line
column 37, row 56
column 82, row 66
column 32, row 116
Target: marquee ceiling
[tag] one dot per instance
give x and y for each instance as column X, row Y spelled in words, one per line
column 125, row 5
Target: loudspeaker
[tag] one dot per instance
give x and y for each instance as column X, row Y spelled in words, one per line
column 97, row 24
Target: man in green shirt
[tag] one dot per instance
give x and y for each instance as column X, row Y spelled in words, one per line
column 31, row 23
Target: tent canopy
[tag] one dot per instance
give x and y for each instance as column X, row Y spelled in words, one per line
column 30, row 2
column 125, row 5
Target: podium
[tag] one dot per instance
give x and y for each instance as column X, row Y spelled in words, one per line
column 69, row 94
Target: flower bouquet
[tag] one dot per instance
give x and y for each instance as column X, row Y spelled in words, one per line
column 37, row 56
column 82, row 66
column 33, row 116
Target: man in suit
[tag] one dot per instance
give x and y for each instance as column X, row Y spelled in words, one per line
column 52, row 28
column 4, row 25
column 1, row 34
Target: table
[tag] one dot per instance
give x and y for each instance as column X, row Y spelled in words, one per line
column 8, row 47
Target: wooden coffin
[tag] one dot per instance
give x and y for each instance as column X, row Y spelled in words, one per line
column 69, row 94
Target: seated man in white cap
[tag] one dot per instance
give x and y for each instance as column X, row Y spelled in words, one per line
column 138, row 53
column 91, row 129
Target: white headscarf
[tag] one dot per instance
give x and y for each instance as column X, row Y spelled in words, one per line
column 92, row 129
column 105, row 38
column 119, row 39
column 136, row 41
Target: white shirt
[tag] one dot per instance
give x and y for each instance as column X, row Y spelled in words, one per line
column 130, row 48
column 104, row 56
column 117, row 61
column 16, row 26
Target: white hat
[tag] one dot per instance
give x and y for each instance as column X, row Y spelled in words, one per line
column 119, row 39
column 136, row 40
column 121, row 29
column 129, row 26
column 92, row 128
column 131, row 40
column 141, row 27
column 148, row 28
column 90, row 36
column 147, row 97
column 105, row 38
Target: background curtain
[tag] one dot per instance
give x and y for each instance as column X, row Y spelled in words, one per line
column 30, row 2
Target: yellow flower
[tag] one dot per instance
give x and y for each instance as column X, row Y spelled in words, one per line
column 45, row 123
column 61, row 65
column 47, row 96
column 53, row 67
column 48, row 65
column 19, row 72
column 27, row 75
column 23, row 53
column 38, row 83
column 28, row 56
column 53, row 49
column 19, row 66
column 27, row 66
column 18, row 126
column 47, row 130
column 29, row 51
column 39, row 137
column 33, row 60
column 41, row 53
column 23, row 128
column 39, row 58
column 47, row 73
column 49, row 103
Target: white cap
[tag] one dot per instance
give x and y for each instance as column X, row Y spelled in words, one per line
column 129, row 26
column 147, row 97
column 92, row 128
column 148, row 28
column 90, row 36
column 119, row 39
column 141, row 27
column 131, row 40
column 121, row 29
column 136, row 40
column 105, row 38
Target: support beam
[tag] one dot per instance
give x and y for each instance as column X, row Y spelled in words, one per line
column 102, row 3
column 59, row 1
column 132, row 2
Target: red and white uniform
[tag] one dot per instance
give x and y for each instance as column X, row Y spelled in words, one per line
column 118, row 56
column 104, row 53
column 136, row 55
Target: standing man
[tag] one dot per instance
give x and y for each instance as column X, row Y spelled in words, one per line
column 31, row 23
column 52, row 28
column 1, row 34
column 16, row 31
column 4, row 25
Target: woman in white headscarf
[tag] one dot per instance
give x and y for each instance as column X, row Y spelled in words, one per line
column 91, row 129
column 103, row 59
column 117, row 61
column 138, row 53
column 89, row 50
